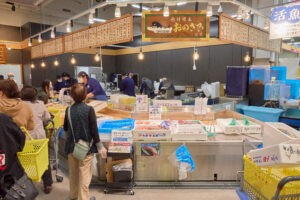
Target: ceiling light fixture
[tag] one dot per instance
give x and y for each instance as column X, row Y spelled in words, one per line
column 247, row 57
column 91, row 17
column 166, row 11
column 209, row 11
column 55, row 63
column 73, row 60
column 43, row 64
column 69, row 27
column 196, row 55
column 138, row 6
column 8, row 48
column 52, row 34
column 141, row 54
column 32, row 66
column 118, row 12
column 97, row 57
column 40, row 40
column 181, row 3
column 220, row 9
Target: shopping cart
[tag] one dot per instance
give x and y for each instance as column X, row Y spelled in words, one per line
column 53, row 134
column 34, row 157
column 258, row 183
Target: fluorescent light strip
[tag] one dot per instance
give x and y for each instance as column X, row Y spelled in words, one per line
column 99, row 20
column 181, row 3
column 138, row 6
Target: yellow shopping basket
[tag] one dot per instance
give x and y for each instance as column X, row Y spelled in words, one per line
column 263, row 181
column 34, row 157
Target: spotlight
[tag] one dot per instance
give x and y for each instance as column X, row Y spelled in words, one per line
column 118, row 12
column 97, row 57
column 194, row 66
column 220, row 9
column 32, row 66
column 40, row 40
column 196, row 55
column 91, row 18
column 69, row 27
column 166, row 11
column 43, row 64
column 52, row 34
column 209, row 11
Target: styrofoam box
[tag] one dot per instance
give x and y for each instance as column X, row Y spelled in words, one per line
column 276, row 133
column 228, row 129
column 251, row 128
column 151, row 135
column 280, row 155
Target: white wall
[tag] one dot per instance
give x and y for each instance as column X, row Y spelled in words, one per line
column 292, row 67
column 15, row 69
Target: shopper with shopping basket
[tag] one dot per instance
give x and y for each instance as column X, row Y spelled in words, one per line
column 82, row 143
column 13, row 106
column 41, row 116
column 12, row 174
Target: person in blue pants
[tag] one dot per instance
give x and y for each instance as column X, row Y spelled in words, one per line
column 93, row 87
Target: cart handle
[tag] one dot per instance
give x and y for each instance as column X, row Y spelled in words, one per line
column 26, row 132
column 283, row 182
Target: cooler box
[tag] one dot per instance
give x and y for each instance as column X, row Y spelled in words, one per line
column 259, row 75
column 279, row 73
column 262, row 113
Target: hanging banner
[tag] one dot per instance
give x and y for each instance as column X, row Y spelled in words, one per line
column 291, row 47
column 285, row 21
column 180, row 25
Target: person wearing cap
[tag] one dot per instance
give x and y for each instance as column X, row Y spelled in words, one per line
column 127, row 85
column 10, row 76
column 60, row 83
column 93, row 87
column 69, row 82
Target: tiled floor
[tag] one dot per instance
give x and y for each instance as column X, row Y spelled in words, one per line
column 60, row 192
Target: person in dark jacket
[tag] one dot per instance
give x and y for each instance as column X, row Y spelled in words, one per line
column 60, row 83
column 69, row 81
column 93, row 87
column 84, row 126
column 12, row 141
column 147, row 87
column 127, row 86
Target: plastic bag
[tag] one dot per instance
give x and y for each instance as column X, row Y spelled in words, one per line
column 125, row 166
column 182, row 159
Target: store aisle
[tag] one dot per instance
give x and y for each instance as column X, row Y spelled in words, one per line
column 60, row 192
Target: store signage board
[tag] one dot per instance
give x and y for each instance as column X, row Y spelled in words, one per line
column 2, row 53
column 291, row 47
column 285, row 21
column 155, row 112
column 150, row 149
column 141, row 103
column 118, row 30
column 237, row 32
column 180, row 25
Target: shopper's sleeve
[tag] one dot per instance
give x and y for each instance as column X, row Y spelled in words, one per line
column 19, row 135
column 94, row 128
column 160, row 85
column 66, row 120
column 30, row 123
column 46, row 114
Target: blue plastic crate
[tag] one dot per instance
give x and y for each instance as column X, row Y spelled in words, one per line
column 108, row 126
column 278, row 72
column 295, row 85
column 262, row 113
column 262, row 74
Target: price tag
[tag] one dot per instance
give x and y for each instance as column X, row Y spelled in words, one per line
column 141, row 103
column 200, row 106
column 155, row 113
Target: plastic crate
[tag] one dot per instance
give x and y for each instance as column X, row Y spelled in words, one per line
column 265, row 180
column 295, row 85
column 108, row 126
column 259, row 74
column 262, row 113
column 278, row 72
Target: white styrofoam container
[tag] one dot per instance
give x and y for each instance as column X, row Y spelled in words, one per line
column 280, row 155
column 276, row 133
column 251, row 128
column 189, row 136
column 228, row 129
column 151, row 135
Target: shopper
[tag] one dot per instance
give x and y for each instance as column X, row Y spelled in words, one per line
column 46, row 92
column 69, row 81
column 10, row 76
column 1, row 77
column 41, row 117
column 147, row 87
column 13, row 106
column 60, row 83
column 94, row 89
column 12, row 141
column 127, row 85
column 165, row 83
column 83, row 125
